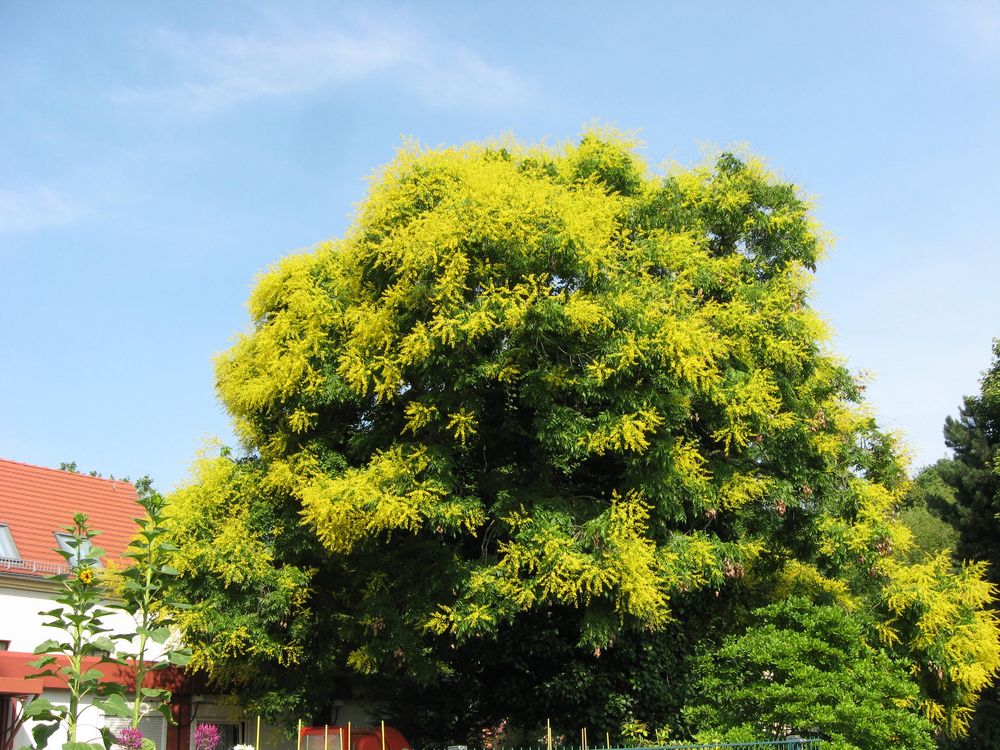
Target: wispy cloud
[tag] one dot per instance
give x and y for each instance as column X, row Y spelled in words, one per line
column 218, row 71
column 32, row 209
column 457, row 77
column 976, row 24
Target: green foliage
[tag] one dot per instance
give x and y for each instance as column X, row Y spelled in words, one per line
column 965, row 489
column 807, row 669
column 921, row 513
column 86, row 641
column 253, row 610
column 533, row 381
column 535, row 670
column 931, row 535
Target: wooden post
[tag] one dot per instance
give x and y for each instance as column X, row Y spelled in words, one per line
column 340, row 731
column 607, row 737
column 257, row 746
column 348, row 735
column 583, row 739
column 298, row 737
column 326, row 737
column 548, row 734
column 383, row 734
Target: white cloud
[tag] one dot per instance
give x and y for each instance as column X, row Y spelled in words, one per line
column 222, row 70
column 23, row 211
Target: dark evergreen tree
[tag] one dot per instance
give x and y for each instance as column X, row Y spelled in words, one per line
column 972, row 473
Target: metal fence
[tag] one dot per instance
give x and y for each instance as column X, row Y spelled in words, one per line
column 789, row 743
column 29, row 567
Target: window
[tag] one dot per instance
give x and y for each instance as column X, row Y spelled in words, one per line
column 152, row 726
column 66, row 545
column 8, row 550
column 232, row 734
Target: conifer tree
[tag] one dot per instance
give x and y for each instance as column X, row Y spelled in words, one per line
column 971, row 474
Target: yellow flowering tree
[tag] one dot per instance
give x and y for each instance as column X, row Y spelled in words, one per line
column 530, row 383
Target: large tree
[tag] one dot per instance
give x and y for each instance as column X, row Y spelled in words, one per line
column 537, row 411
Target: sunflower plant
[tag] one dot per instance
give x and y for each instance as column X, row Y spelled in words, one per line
column 144, row 595
column 85, row 643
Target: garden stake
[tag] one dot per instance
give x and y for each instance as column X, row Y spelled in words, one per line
column 298, row 737
column 607, row 737
column 348, row 735
column 257, row 746
column 340, row 733
column 326, row 737
column 548, row 734
column 383, row 734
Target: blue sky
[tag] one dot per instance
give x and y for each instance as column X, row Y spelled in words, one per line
column 155, row 157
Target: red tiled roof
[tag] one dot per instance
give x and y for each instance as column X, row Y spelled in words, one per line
column 36, row 502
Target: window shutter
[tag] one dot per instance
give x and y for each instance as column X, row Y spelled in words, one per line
column 153, row 726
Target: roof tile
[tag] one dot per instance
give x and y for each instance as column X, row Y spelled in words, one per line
column 36, row 502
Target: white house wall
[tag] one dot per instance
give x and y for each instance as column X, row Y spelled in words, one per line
column 87, row 731
column 21, row 624
column 21, row 600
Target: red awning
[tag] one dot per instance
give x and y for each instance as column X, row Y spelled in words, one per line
column 20, row 686
column 14, row 671
column 15, row 668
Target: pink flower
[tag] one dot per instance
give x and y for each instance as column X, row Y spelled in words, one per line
column 129, row 739
column 207, row 737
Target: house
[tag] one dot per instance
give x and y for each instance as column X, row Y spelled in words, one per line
column 36, row 504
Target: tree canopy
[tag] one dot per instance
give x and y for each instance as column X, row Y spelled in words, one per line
column 547, row 394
